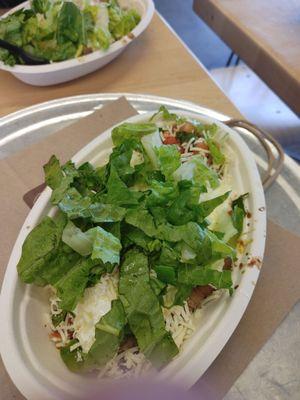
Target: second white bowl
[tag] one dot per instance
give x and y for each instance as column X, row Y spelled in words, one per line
column 64, row 71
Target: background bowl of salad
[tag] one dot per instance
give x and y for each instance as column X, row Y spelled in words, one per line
column 76, row 37
column 213, row 159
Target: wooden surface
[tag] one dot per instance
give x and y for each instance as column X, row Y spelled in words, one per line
column 265, row 34
column 156, row 63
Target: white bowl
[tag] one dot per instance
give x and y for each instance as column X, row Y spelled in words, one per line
column 64, row 71
column 33, row 362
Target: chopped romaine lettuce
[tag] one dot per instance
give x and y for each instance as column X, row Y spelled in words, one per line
column 160, row 220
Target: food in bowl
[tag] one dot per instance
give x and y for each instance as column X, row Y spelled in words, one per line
column 61, row 30
column 136, row 246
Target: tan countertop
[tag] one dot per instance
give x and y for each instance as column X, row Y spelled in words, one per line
column 266, row 35
column 156, row 63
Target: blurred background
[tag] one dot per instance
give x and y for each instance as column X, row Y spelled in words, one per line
column 255, row 100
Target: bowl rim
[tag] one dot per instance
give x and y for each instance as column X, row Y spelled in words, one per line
column 190, row 372
column 85, row 59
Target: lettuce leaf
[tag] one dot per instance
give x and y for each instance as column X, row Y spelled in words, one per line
column 196, row 170
column 129, row 130
column 165, row 114
column 76, row 206
column 168, row 160
column 239, row 213
column 62, row 261
column 108, row 334
column 217, row 155
column 132, row 235
column 194, row 275
column 102, row 245
column 205, row 208
column 143, row 310
column 142, row 219
column 118, row 193
column 79, row 241
column 121, row 22
column 40, row 6
column 106, row 212
column 38, row 248
column 70, row 24
column 161, row 193
column 121, row 157
column 59, row 178
column 166, row 273
column 71, row 286
column 106, row 246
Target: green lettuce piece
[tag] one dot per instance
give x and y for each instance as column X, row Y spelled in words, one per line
column 118, row 193
column 76, row 206
column 168, row 160
column 89, row 179
column 166, row 274
column 156, row 285
column 77, row 240
column 102, row 245
column 185, row 207
column 205, row 208
column 136, row 236
column 143, row 310
column 151, row 143
column 108, row 334
column 239, row 213
column 194, row 275
column 161, row 193
column 53, row 173
column 121, row 22
column 217, row 155
column 129, row 130
column 38, row 248
column 165, row 114
column 70, row 24
column 121, row 157
column 40, row 6
column 58, row 318
column 142, row 219
column 220, row 247
column 59, row 178
column 11, row 31
column 164, row 351
column 170, row 233
column 198, row 240
column 204, row 174
column 196, row 170
column 106, row 212
column 182, row 294
column 193, row 235
column 106, row 246
column 59, row 264
column 71, row 286
column 103, row 38
column 168, row 255
column 76, row 361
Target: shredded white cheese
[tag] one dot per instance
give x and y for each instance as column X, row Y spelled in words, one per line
column 95, row 303
column 179, row 322
column 130, row 363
